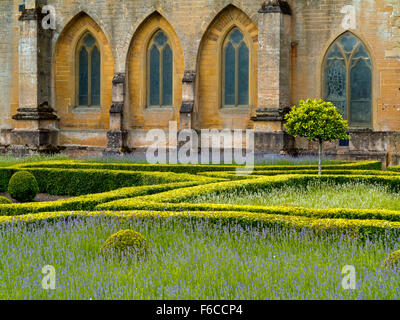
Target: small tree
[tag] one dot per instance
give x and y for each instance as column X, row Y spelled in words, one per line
column 317, row 121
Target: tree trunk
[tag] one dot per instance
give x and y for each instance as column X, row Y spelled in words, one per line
column 320, row 157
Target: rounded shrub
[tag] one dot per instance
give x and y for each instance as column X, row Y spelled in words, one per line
column 393, row 261
column 23, row 186
column 4, row 200
column 125, row 242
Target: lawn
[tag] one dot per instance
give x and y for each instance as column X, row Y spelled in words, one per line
column 321, row 195
column 190, row 260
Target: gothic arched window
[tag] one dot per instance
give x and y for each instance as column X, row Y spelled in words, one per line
column 235, row 70
column 160, row 66
column 88, row 69
column 348, row 79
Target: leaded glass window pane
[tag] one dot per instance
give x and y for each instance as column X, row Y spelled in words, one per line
column 348, row 79
column 230, row 75
column 83, row 77
column 348, row 42
column 154, row 76
column 236, row 37
column 95, row 75
column 167, row 76
column 89, row 41
column 89, row 71
column 335, row 85
column 236, row 69
column 160, row 69
column 361, row 87
column 243, row 75
column 160, row 38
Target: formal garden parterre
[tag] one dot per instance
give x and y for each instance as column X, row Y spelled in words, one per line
column 174, row 204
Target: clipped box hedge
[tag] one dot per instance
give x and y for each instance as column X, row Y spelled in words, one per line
column 75, row 182
column 232, row 175
column 331, row 213
column 394, row 168
column 88, row 202
column 178, row 199
column 167, row 194
column 358, row 228
column 265, row 182
column 194, row 169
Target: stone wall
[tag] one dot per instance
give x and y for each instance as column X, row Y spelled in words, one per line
column 287, row 52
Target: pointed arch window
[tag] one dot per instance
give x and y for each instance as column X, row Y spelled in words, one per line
column 88, row 58
column 348, row 79
column 159, row 68
column 235, row 70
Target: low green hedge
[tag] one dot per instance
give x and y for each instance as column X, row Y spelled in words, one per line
column 75, row 182
column 332, row 213
column 266, row 182
column 232, row 175
column 88, row 202
column 359, row 228
column 193, row 169
column 394, row 168
column 178, row 199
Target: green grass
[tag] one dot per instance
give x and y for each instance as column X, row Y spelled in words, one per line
column 190, row 260
column 315, row 195
column 7, row 161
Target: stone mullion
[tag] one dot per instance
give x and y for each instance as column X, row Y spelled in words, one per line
column 274, row 60
column 188, row 99
column 35, row 121
column 116, row 136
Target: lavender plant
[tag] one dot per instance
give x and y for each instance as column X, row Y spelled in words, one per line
column 190, row 260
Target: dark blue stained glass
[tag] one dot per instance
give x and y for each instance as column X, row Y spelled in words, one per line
column 83, row 77
column 335, row 85
column 236, row 36
column 348, row 42
column 362, row 53
column 95, row 77
column 230, row 73
column 167, row 76
column 335, row 52
column 154, row 76
column 355, row 97
column 89, row 41
column 243, row 88
column 361, row 89
column 161, row 38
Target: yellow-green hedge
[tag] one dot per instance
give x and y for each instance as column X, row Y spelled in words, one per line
column 88, row 202
column 75, row 182
column 356, row 227
column 232, row 175
column 178, row 199
column 393, row 168
column 331, row 213
column 265, row 182
column 193, row 169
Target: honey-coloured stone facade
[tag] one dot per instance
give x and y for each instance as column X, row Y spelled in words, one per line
column 287, row 41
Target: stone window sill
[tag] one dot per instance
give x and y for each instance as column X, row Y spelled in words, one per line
column 79, row 109
column 360, row 129
column 159, row 109
column 236, row 110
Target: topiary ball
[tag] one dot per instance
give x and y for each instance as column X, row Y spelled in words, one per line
column 4, row 200
column 23, row 186
column 393, row 260
column 125, row 242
